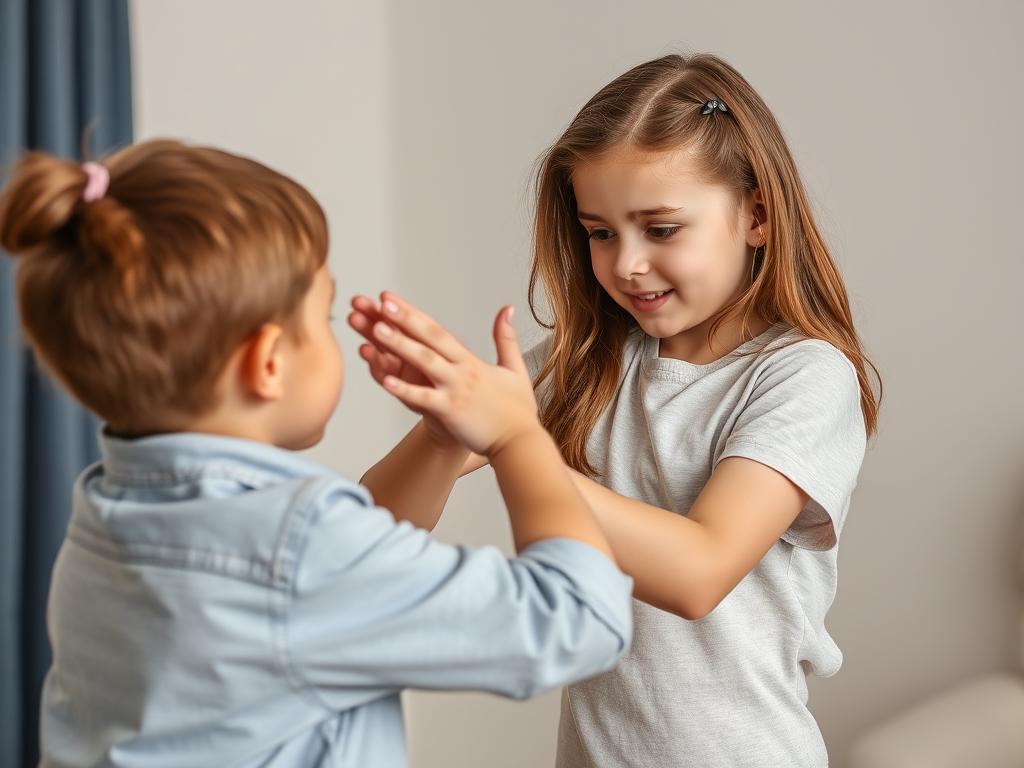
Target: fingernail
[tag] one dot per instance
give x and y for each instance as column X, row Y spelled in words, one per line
column 510, row 315
column 390, row 307
column 383, row 329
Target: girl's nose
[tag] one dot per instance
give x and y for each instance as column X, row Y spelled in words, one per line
column 630, row 261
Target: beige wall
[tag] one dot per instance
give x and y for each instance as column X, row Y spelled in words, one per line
column 305, row 93
column 417, row 125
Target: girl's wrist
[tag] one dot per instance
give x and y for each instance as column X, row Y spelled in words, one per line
column 528, row 431
column 443, row 445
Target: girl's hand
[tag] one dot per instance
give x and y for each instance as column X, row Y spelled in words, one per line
column 365, row 313
column 484, row 406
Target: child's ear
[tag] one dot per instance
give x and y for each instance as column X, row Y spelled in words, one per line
column 757, row 234
column 262, row 369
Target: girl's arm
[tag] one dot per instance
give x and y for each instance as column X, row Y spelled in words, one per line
column 415, row 479
column 472, row 463
column 687, row 565
column 490, row 409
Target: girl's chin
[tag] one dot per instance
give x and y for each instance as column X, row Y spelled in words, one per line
column 660, row 327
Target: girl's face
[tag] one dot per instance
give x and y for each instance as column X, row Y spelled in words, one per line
column 669, row 248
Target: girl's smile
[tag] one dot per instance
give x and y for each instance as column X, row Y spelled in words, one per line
column 650, row 302
column 667, row 246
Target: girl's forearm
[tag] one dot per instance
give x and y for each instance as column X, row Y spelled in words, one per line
column 672, row 559
column 542, row 499
column 472, row 464
column 415, row 479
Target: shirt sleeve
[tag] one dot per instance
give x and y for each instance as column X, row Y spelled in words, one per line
column 804, row 419
column 378, row 606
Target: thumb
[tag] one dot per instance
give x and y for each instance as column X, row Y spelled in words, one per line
column 507, row 342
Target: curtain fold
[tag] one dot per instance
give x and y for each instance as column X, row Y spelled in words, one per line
column 65, row 74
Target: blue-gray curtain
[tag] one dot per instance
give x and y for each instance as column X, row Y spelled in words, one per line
column 65, row 73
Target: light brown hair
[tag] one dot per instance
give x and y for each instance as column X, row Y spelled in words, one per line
column 136, row 301
column 658, row 106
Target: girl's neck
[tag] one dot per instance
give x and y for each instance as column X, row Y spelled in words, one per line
column 692, row 345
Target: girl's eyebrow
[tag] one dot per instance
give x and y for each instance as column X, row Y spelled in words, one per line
column 583, row 216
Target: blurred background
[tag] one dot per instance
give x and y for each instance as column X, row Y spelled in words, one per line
column 417, row 126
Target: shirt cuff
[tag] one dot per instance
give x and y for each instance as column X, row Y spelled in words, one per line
column 597, row 580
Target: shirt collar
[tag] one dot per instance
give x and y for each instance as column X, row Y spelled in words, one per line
column 157, row 459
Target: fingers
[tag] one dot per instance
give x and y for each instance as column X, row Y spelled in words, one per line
column 419, row 326
column 415, row 324
column 421, row 357
column 365, row 314
column 419, row 399
column 507, row 342
column 381, row 363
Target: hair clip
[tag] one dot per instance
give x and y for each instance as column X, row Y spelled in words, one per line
column 714, row 105
column 97, row 181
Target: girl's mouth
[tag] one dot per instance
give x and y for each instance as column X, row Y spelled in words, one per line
column 648, row 302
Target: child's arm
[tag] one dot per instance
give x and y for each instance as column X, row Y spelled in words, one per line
column 472, row 463
column 492, row 410
column 377, row 606
column 687, row 565
column 786, row 470
column 415, row 479
column 800, row 439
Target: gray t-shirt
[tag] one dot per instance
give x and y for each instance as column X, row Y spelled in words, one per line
column 729, row 689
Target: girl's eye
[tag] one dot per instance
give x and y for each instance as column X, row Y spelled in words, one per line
column 600, row 234
column 663, row 233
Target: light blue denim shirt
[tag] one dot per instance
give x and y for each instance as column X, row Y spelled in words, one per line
column 220, row 602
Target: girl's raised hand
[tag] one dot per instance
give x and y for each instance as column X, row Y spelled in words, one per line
column 365, row 313
column 423, row 365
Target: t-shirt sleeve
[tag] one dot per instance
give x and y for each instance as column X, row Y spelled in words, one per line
column 804, row 419
column 378, row 606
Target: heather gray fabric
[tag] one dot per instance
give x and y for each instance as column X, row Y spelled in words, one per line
column 729, row 689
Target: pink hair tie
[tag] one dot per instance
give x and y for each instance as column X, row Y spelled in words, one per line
column 99, row 180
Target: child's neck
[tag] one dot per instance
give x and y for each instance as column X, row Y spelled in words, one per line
column 692, row 344
column 231, row 425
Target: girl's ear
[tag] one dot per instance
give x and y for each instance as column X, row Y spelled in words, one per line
column 261, row 373
column 757, row 233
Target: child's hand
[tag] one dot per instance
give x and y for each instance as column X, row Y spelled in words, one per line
column 484, row 406
column 383, row 363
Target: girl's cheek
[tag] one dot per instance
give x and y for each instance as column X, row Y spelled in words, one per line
column 700, row 278
column 688, row 266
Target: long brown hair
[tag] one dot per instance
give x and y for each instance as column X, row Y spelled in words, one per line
column 658, row 105
column 135, row 301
